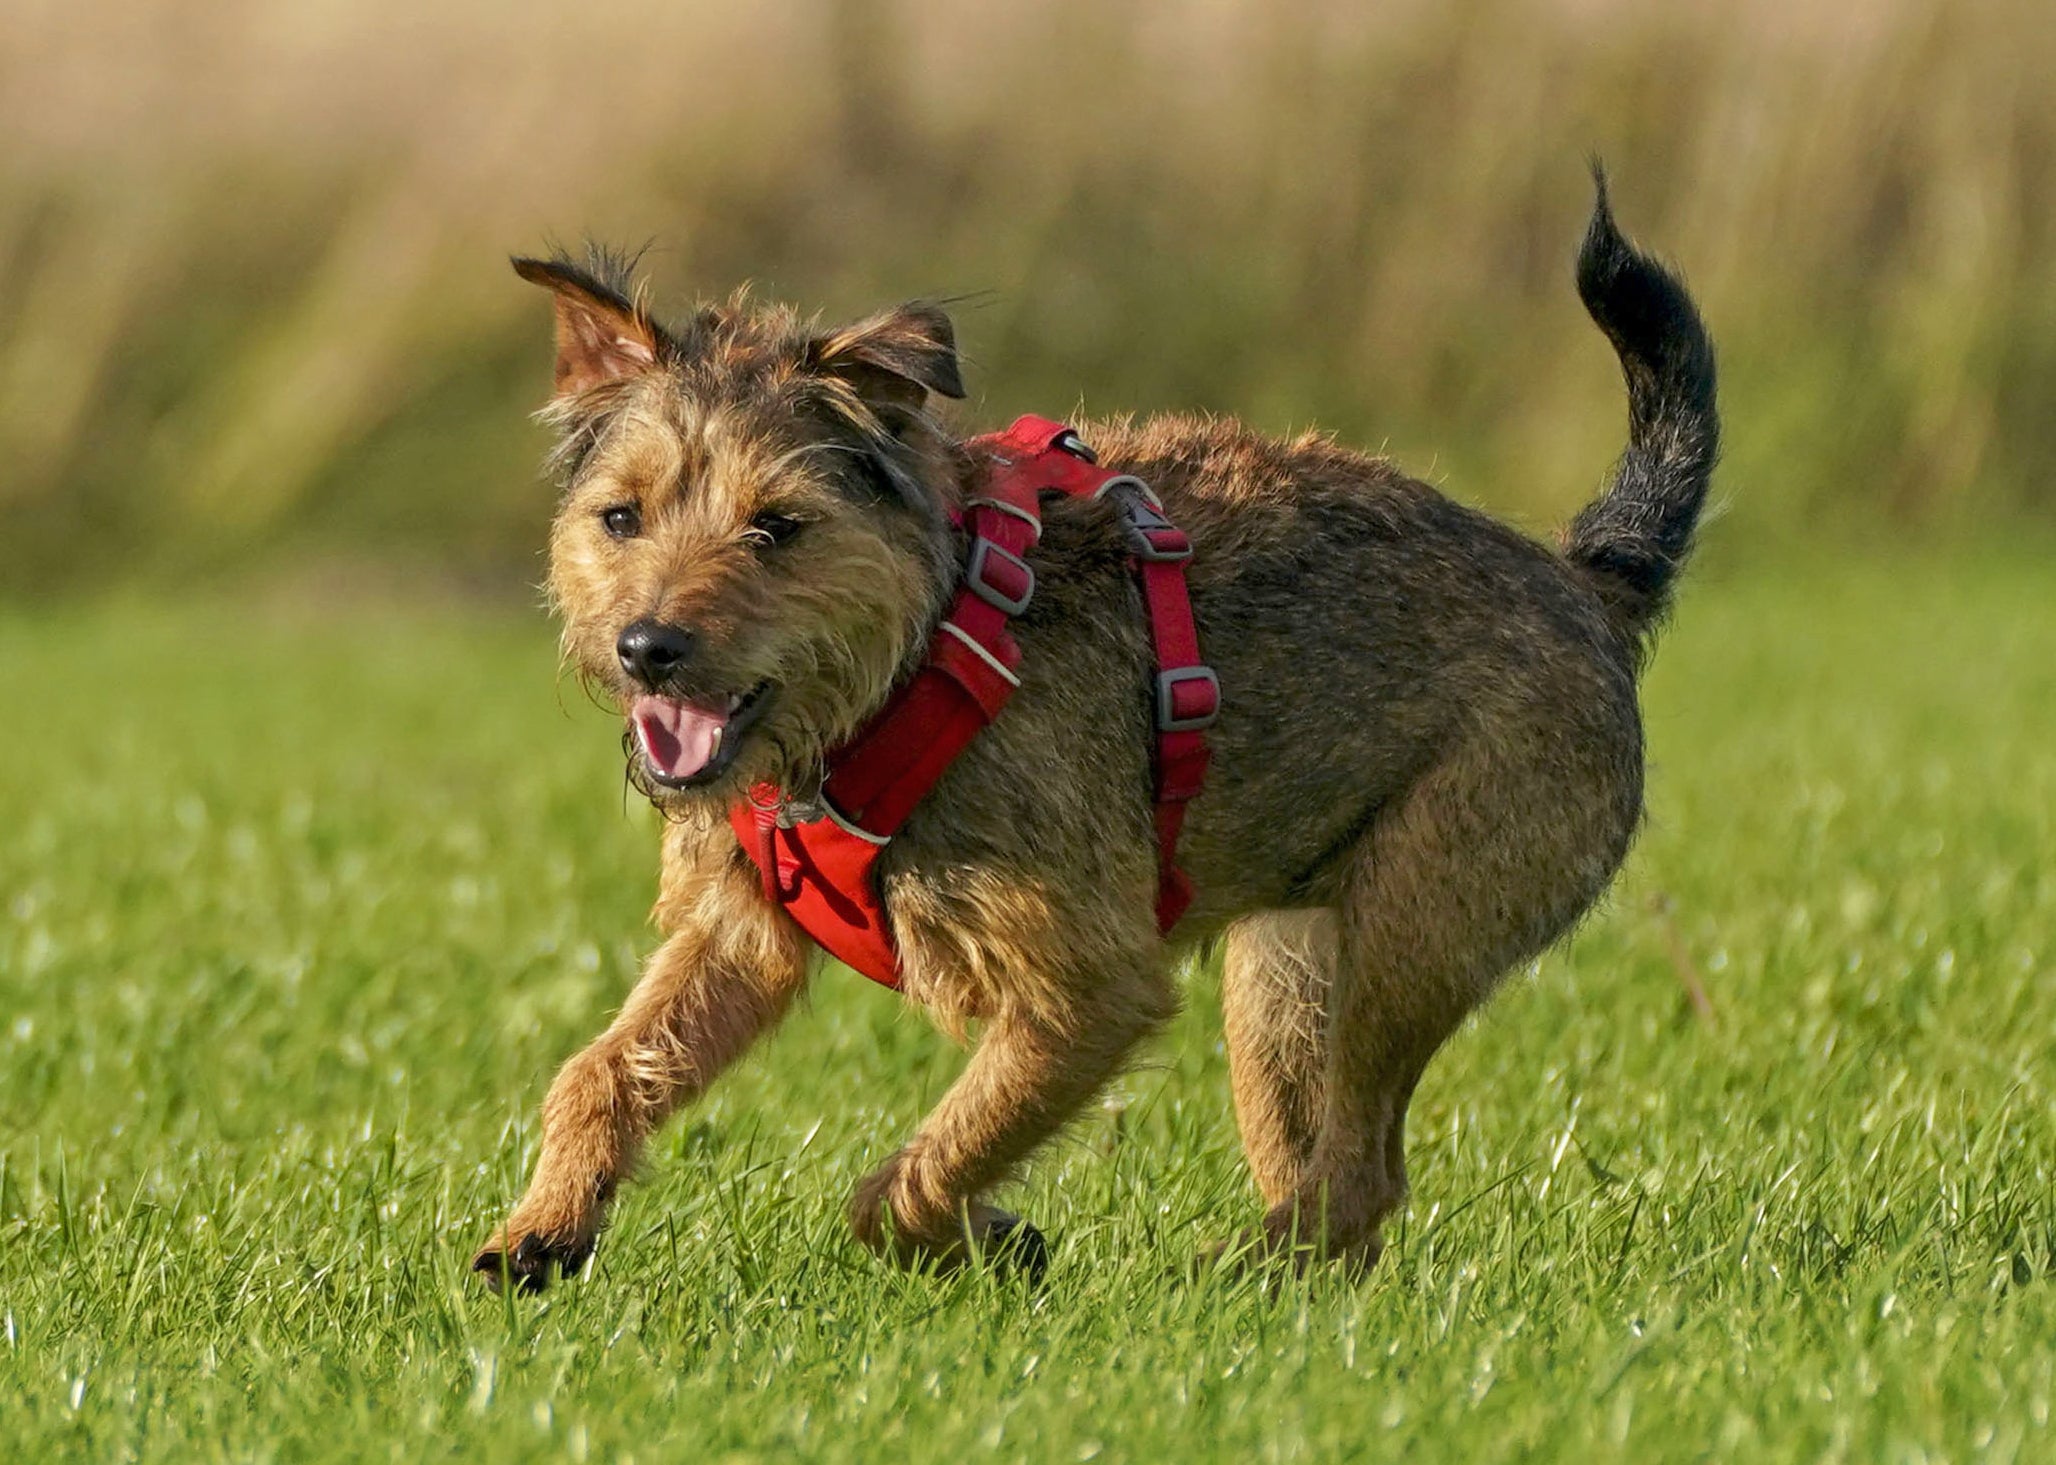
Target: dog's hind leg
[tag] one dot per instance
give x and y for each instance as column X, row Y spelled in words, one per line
column 1490, row 856
column 1277, row 967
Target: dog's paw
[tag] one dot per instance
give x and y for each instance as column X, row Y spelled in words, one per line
column 1014, row 1247
column 531, row 1261
column 943, row 1239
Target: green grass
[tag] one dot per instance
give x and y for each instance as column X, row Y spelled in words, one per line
column 298, row 912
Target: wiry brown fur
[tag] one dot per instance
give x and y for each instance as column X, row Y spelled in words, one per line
column 1427, row 765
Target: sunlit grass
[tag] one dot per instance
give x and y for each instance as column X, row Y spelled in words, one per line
column 301, row 910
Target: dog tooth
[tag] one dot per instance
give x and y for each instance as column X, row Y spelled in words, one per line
column 715, row 751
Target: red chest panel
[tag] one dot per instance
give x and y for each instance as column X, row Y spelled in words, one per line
column 821, row 868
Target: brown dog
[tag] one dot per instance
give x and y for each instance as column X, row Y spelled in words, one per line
column 1427, row 765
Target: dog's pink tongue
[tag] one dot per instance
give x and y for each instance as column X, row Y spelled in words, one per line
column 678, row 738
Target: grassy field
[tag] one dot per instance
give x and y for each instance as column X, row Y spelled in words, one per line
column 297, row 912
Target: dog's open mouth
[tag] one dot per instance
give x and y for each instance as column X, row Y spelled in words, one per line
column 687, row 744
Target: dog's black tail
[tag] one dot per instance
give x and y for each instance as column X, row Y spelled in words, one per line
column 1633, row 538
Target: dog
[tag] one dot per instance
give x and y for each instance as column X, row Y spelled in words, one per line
column 1427, row 762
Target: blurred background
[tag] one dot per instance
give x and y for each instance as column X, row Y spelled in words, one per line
column 256, row 321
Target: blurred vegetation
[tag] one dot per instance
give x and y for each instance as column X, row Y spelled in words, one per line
column 253, row 308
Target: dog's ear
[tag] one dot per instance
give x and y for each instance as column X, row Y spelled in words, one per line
column 894, row 359
column 603, row 333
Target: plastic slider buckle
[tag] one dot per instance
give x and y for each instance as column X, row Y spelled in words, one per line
column 1122, row 488
column 1151, row 537
column 1158, row 543
column 1188, row 698
column 1001, row 579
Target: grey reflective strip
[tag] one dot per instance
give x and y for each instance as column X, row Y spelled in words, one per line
column 990, row 660
column 1019, row 513
column 835, row 818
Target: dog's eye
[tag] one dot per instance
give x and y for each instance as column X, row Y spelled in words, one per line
column 769, row 529
column 623, row 521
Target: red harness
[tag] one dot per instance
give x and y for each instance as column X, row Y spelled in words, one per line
column 819, row 865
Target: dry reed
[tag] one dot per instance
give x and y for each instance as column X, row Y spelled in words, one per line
column 254, row 302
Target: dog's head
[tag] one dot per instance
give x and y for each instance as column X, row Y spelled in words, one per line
column 753, row 538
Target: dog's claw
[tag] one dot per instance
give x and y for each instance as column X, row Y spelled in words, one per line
column 532, row 1264
column 1014, row 1246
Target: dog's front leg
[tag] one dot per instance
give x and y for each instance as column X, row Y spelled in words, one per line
column 1029, row 1074
column 727, row 973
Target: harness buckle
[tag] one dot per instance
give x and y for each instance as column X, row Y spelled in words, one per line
column 1188, row 698
column 1151, row 537
column 1125, row 486
column 1158, row 544
column 1000, row 578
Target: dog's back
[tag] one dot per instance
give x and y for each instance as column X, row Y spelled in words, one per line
column 1363, row 625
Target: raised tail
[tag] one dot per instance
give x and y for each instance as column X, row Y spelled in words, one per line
column 1633, row 539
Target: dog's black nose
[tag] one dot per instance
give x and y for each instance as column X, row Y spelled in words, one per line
column 651, row 650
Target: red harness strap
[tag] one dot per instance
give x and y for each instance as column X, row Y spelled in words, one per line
column 818, row 863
